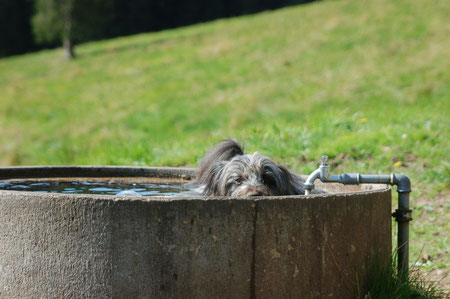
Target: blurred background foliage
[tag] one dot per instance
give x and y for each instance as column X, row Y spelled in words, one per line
column 29, row 25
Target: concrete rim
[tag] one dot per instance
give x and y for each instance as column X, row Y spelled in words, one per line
column 95, row 171
column 181, row 173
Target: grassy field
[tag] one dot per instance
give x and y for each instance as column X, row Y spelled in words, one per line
column 365, row 82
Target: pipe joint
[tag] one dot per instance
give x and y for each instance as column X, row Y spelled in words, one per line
column 402, row 216
column 350, row 178
column 309, row 186
column 324, row 169
column 402, row 182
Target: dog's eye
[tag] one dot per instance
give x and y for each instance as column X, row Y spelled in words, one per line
column 238, row 181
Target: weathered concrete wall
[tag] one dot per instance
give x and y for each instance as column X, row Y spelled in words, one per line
column 301, row 243
column 80, row 246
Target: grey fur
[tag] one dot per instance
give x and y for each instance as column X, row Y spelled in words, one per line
column 227, row 171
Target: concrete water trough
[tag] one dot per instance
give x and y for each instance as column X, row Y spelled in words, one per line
column 104, row 246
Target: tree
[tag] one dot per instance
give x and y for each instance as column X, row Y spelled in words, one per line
column 70, row 21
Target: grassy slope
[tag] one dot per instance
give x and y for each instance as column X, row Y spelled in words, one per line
column 366, row 82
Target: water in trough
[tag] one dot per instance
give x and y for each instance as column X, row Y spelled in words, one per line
column 93, row 187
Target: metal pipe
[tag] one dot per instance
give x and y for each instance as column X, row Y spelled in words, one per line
column 323, row 172
column 402, row 215
column 309, row 183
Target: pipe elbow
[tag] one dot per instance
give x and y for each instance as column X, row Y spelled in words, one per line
column 402, row 182
column 309, row 183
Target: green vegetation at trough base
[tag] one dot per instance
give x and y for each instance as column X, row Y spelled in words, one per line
column 365, row 82
column 385, row 281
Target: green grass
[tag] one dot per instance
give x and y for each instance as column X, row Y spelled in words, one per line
column 365, row 82
column 385, row 281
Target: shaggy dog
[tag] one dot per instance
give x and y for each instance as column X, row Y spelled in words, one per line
column 227, row 171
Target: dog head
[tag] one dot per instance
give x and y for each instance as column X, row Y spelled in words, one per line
column 227, row 171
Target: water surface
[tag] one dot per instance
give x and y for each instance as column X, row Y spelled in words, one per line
column 93, row 187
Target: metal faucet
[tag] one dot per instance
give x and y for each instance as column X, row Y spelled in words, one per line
column 403, row 215
column 322, row 173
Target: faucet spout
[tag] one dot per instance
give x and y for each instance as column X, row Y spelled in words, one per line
column 309, row 183
column 322, row 173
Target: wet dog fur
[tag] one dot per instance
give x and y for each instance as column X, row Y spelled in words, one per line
column 227, row 171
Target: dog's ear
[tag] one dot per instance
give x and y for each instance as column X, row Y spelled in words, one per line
column 294, row 183
column 211, row 179
column 225, row 151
